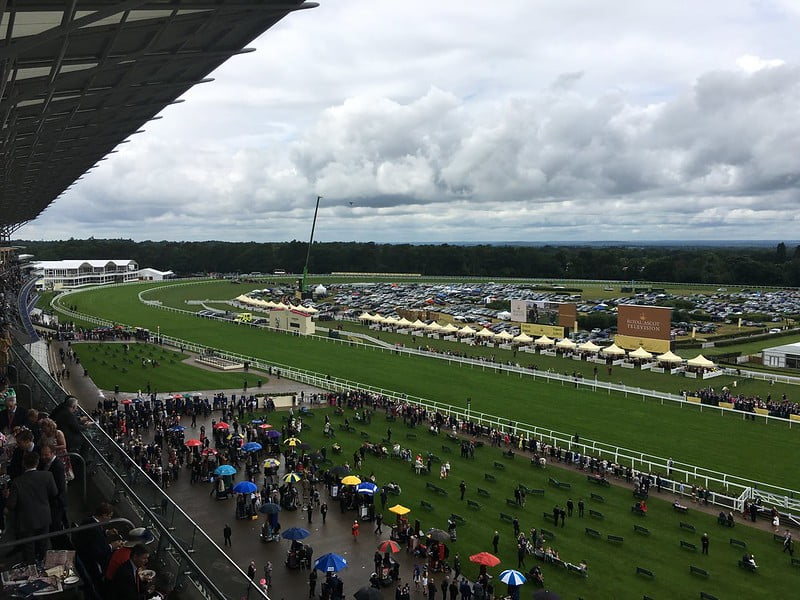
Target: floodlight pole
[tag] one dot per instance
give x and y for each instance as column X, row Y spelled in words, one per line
column 310, row 241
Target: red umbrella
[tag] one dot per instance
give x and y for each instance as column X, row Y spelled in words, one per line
column 484, row 558
column 127, row 401
column 222, row 425
column 265, row 426
column 193, row 443
column 208, row 451
column 389, row 546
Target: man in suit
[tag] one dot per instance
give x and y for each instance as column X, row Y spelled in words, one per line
column 24, row 439
column 29, row 501
column 93, row 548
column 11, row 416
column 65, row 416
column 127, row 585
column 58, row 506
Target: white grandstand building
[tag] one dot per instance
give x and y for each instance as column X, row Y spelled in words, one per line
column 68, row 274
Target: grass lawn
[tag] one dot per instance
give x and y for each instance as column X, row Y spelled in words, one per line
column 109, row 365
column 612, row 566
column 723, row 443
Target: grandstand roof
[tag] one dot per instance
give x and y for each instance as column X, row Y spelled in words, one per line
column 80, row 76
column 77, row 264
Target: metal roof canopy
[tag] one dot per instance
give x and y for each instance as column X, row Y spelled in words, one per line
column 77, row 77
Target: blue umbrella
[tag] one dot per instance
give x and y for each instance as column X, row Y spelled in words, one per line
column 269, row 508
column 245, row 487
column 256, row 422
column 367, row 488
column 177, row 428
column 296, row 533
column 512, row 577
column 273, row 434
column 225, row 470
column 330, row 563
column 251, row 447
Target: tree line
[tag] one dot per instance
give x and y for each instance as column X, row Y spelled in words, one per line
column 779, row 266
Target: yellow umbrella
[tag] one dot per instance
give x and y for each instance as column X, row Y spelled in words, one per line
column 291, row 478
column 399, row 509
column 292, row 441
column 351, row 480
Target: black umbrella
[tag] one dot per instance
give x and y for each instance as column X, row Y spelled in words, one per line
column 339, row 470
column 270, row 508
column 438, row 535
column 545, row 595
column 368, row 593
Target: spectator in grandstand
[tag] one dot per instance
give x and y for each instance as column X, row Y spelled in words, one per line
column 65, row 416
column 29, row 500
column 11, row 417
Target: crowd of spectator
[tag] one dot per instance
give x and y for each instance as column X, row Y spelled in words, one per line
column 782, row 408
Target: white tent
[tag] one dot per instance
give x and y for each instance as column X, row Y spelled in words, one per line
column 391, row 321
column 700, row 361
column 434, row 326
column 566, row 344
column 669, row 357
column 404, row 322
column 310, row 310
column 544, row 341
column 613, row 350
column 418, row 324
column 640, row 353
column 504, row 336
column 365, row 316
column 485, row 333
column 523, row 338
column 449, row 328
column 466, row 330
column 589, row 346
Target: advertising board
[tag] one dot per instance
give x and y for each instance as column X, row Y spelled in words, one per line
column 645, row 326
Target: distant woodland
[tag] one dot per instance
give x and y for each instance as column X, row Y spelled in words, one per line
column 778, row 266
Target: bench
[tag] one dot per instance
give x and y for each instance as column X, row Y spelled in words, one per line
column 426, row 505
column 483, row 492
column 506, row 517
column 534, row 492
column 489, row 477
column 535, row 463
column 592, row 532
column 645, row 572
column 411, row 436
column 347, row 428
column 796, row 562
column 364, row 435
column 474, row 505
column 447, row 449
column 549, row 516
column 458, row 519
column 512, row 502
column 688, row 546
column 697, row 571
column 431, row 486
column 598, row 498
column 547, row 534
column 642, row 530
column 640, row 495
column 638, row 510
column 707, row 596
column 596, row 514
column 687, row 526
column 499, row 466
column 747, row 566
column 576, row 569
column 616, row 538
column 681, row 509
column 739, row 543
column 598, row 481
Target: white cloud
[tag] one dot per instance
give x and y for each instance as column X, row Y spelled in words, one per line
column 457, row 121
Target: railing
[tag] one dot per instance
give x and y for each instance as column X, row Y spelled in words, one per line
column 200, row 567
column 642, row 461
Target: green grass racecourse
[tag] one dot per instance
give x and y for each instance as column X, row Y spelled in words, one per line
column 612, row 565
column 110, row 365
column 724, row 443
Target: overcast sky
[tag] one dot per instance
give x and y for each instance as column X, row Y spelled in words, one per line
column 467, row 120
